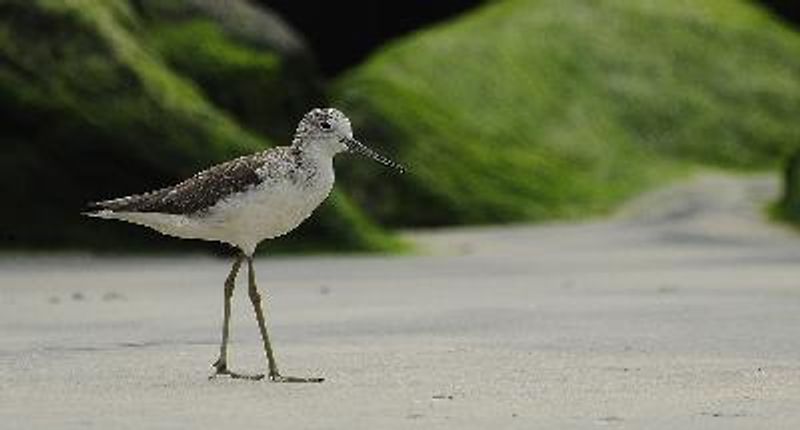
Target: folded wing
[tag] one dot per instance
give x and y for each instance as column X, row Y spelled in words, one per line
column 195, row 194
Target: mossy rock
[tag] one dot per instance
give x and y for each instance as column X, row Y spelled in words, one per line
column 244, row 58
column 536, row 109
column 92, row 109
column 789, row 205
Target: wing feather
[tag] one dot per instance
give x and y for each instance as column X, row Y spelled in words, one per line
column 195, row 194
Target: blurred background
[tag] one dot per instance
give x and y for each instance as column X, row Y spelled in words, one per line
column 505, row 111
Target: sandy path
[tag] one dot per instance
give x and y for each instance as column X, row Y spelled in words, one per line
column 681, row 312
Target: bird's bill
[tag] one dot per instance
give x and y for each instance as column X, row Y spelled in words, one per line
column 359, row 148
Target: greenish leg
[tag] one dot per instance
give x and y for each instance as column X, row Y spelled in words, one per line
column 255, row 298
column 221, row 365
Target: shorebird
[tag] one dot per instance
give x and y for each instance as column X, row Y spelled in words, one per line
column 245, row 201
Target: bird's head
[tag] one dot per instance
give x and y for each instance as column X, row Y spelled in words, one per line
column 329, row 131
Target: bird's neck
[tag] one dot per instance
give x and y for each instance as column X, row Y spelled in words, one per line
column 322, row 154
column 316, row 166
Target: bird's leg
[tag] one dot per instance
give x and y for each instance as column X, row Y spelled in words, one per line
column 221, row 365
column 255, row 298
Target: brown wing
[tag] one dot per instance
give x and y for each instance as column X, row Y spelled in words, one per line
column 195, row 194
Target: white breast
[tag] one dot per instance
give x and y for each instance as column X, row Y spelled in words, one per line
column 271, row 209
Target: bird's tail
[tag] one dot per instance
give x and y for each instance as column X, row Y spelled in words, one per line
column 100, row 213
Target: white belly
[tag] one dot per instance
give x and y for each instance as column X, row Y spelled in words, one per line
column 265, row 213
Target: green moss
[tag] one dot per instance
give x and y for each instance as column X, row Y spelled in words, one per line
column 253, row 84
column 534, row 109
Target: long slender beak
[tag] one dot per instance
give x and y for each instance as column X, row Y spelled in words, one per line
column 359, row 148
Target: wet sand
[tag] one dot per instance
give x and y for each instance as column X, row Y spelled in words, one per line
column 683, row 311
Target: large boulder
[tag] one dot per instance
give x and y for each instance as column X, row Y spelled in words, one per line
column 101, row 99
column 533, row 109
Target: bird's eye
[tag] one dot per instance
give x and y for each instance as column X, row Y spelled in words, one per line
column 325, row 125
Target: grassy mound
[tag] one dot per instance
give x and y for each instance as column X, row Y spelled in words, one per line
column 533, row 109
column 96, row 102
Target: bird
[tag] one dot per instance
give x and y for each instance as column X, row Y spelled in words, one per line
column 245, row 201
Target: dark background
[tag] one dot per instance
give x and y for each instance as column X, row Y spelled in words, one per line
column 788, row 9
column 324, row 24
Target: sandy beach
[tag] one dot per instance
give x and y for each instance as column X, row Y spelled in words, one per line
column 681, row 311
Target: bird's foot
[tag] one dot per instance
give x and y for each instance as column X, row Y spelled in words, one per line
column 276, row 377
column 221, row 369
